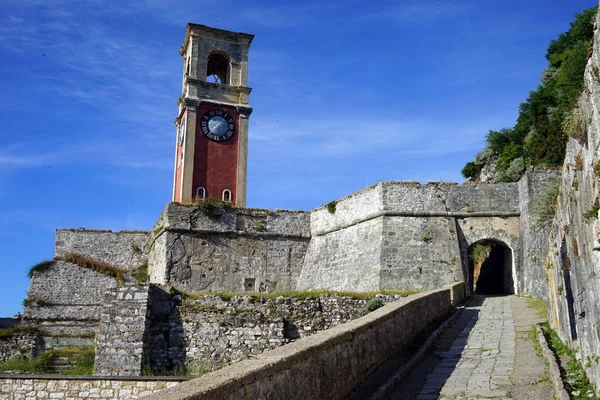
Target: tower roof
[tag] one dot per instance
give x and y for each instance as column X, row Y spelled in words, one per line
column 215, row 32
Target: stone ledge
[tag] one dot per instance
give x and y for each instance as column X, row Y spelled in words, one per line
column 98, row 378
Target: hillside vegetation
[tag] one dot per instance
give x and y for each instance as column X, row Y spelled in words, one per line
column 540, row 135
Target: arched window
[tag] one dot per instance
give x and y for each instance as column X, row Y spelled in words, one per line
column 200, row 193
column 217, row 69
column 226, row 195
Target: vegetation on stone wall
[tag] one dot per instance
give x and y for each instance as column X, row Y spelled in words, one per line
column 547, row 116
column 301, row 295
column 141, row 273
column 210, row 205
column 331, row 206
column 19, row 330
column 78, row 361
column 543, row 207
column 576, row 381
column 40, row 267
column 95, row 265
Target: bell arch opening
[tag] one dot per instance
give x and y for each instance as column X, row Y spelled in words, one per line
column 490, row 267
column 217, row 68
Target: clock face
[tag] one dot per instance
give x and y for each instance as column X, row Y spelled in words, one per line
column 217, row 125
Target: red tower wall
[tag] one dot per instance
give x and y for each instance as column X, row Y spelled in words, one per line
column 215, row 164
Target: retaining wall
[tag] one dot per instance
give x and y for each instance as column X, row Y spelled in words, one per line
column 44, row 387
column 328, row 364
column 210, row 332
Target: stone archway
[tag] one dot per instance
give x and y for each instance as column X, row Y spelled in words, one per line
column 491, row 267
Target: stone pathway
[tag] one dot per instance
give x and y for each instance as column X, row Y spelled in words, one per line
column 486, row 353
column 480, row 362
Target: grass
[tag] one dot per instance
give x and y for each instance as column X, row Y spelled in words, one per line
column 576, row 381
column 210, row 204
column 40, row 267
column 26, row 365
column 141, row 273
column 301, row 295
column 82, row 362
column 536, row 343
column 539, row 305
column 95, row 265
column 20, row 330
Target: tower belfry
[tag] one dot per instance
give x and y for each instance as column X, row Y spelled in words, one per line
column 212, row 125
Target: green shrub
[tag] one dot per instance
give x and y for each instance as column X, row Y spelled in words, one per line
column 549, row 115
column 471, row 170
column 40, row 267
column 331, row 206
column 374, row 304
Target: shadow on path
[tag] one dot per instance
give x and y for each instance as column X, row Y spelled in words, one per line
column 445, row 353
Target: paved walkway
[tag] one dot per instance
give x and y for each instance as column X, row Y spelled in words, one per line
column 481, row 359
column 486, row 353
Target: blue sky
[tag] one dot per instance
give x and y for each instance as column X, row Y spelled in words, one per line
column 345, row 94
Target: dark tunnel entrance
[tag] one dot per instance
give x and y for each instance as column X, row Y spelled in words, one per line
column 490, row 268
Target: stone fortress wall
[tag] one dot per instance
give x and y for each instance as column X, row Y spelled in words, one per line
column 394, row 235
column 246, row 249
column 572, row 266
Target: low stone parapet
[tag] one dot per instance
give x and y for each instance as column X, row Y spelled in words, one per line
column 60, row 387
column 329, row 364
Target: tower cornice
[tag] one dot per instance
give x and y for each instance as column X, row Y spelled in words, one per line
column 198, row 29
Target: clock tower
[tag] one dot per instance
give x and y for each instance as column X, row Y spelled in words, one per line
column 212, row 125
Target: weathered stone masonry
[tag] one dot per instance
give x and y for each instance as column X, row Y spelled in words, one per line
column 395, row 235
column 17, row 388
column 255, row 250
column 573, row 263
